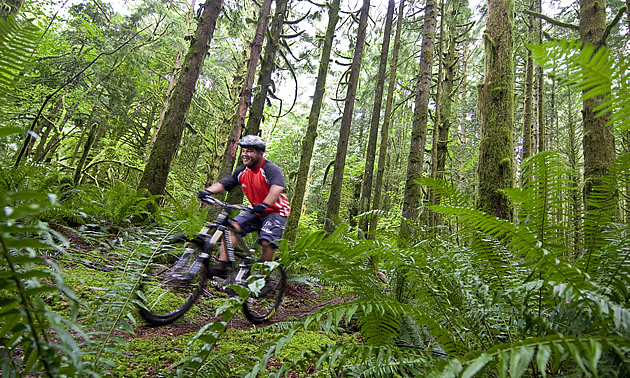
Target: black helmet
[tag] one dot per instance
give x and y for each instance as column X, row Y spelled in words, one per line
column 253, row 141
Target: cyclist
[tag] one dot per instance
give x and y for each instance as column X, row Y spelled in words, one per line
column 263, row 185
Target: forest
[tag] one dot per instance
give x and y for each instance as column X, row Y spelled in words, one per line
column 458, row 174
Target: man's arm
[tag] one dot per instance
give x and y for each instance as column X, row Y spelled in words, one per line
column 216, row 188
column 274, row 194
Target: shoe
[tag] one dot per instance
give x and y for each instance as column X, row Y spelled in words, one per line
column 219, row 270
column 270, row 284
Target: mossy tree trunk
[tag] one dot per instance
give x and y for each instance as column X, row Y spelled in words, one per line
column 366, row 191
column 267, row 68
column 495, row 104
column 528, row 98
column 540, row 94
column 446, row 107
column 308, row 143
column 598, row 140
column 229, row 158
column 382, row 154
column 171, row 82
column 167, row 141
column 415, row 163
column 334, row 200
column 10, row 7
column 575, row 201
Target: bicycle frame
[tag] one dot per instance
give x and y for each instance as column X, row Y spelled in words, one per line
column 224, row 231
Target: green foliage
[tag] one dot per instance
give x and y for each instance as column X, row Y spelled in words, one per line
column 18, row 42
column 592, row 72
column 117, row 205
column 34, row 338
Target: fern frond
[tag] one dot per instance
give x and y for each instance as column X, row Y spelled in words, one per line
column 18, row 41
column 592, row 72
column 546, row 354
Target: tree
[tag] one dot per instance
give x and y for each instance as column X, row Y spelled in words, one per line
column 334, row 199
column 382, row 154
column 308, row 142
column 267, row 68
column 366, row 191
column 415, row 163
column 528, row 96
column 598, row 140
column 161, row 156
column 10, row 8
column 227, row 163
column 495, row 104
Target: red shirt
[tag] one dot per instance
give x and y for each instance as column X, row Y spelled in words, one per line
column 256, row 183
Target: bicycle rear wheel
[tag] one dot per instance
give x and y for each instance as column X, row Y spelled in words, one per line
column 259, row 309
column 168, row 289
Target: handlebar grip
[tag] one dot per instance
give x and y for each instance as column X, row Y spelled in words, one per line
column 203, row 194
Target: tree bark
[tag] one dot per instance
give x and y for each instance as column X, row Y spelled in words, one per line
column 382, row 154
column 227, row 163
column 308, row 143
column 598, row 141
column 267, row 68
column 78, row 172
column 10, row 7
column 446, row 103
column 495, row 102
column 167, row 142
column 366, row 191
column 415, row 163
column 528, row 98
column 171, row 84
column 334, row 200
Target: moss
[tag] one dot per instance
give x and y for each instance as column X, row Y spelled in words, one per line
column 152, row 356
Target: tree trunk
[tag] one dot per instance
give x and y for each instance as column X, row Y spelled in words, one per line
column 495, row 102
column 542, row 129
column 366, row 191
column 161, row 156
column 528, row 99
column 334, row 200
column 433, row 216
column 415, row 163
column 572, row 153
column 10, row 8
column 50, row 126
column 542, row 124
column 382, row 154
column 598, row 140
column 78, row 173
column 267, row 68
column 308, row 143
column 227, row 163
column 446, row 107
column 171, row 84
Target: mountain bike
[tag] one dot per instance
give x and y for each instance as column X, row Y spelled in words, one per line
column 176, row 276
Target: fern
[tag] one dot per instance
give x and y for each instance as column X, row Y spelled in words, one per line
column 18, row 41
column 25, row 320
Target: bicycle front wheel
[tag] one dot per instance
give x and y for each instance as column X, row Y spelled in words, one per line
column 171, row 284
column 260, row 308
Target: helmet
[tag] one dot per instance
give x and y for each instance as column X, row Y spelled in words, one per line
column 253, row 141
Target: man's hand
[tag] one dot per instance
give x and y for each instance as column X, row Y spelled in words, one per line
column 204, row 193
column 260, row 208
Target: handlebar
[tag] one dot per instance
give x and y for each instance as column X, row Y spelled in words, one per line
column 206, row 197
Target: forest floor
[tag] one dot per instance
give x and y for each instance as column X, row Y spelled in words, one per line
column 89, row 263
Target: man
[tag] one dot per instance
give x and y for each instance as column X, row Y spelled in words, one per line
column 263, row 185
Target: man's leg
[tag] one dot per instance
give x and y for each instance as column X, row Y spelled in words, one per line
column 267, row 251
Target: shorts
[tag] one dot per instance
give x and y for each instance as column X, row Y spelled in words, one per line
column 270, row 227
